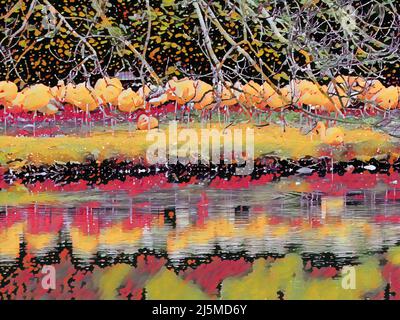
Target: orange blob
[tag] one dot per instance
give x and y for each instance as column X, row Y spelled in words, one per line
column 145, row 122
column 182, row 91
column 129, row 101
column 36, row 97
column 252, row 94
column 81, row 97
column 8, row 92
column 204, row 96
column 388, row 98
column 108, row 90
column 333, row 136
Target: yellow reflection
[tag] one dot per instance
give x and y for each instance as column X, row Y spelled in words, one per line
column 10, row 240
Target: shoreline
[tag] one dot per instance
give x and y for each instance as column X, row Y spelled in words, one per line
column 271, row 140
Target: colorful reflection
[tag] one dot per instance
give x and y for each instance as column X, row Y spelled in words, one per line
column 115, row 244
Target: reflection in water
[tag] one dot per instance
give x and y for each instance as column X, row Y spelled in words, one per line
column 273, row 241
column 195, row 221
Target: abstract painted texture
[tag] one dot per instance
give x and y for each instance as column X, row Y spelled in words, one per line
column 202, row 150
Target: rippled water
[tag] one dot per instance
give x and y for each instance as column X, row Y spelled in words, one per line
column 195, row 221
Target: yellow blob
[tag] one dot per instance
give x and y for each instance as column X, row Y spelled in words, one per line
column 129, row 101
column 84, row 245
column 388, row 98
column 111, row 279
column 8, row 92
column 333, row 136
column 81, row 97
column 10, row 239
column 166, row 285
column 115, row 235
column 108, row 90
column 36, row 97
column 182, row 90
column 42, row 241
column 393, row 255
